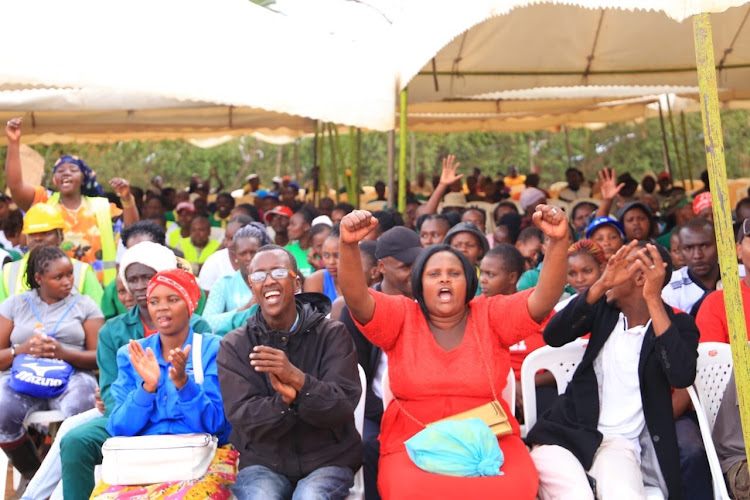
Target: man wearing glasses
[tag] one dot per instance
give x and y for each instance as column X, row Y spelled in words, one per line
column 290, row 384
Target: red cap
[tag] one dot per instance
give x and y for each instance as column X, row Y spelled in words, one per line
column 280, row 210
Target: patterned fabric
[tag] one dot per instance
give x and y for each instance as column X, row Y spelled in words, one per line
column 89, row 186
column 215, row 485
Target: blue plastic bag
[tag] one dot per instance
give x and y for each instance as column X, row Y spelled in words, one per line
column 465, row 448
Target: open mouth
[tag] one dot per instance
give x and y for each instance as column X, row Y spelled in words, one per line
column 163, row 321
column 445, row 294
column 272, row 297
column 66, row 182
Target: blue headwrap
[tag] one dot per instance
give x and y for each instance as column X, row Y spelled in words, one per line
column 89, row 186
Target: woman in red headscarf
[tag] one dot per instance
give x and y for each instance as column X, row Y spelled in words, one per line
column 162, row 387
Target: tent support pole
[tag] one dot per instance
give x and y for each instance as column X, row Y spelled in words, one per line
column 665, row 145
column 685, row 143
column 717, row 174
column 402, row 154
column 675, row 144
column 391, row 167
column 358, row 176
column 567, row 146
column 353, row 167
column 315, row 169
column 334, row 168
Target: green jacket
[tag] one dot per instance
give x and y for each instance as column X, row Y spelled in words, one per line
column 111, row 305
column 116, row 333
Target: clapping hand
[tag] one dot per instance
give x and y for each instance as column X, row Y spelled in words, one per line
column 649, row 261
column 618, row 269
column 356, row 225
column 177, row 374
column 286, row 378
column 145, row 364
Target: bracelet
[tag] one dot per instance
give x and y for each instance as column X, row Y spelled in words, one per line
column 128, row 204
column 13, row 351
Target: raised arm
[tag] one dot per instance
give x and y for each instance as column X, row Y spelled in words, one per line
column 354, row 227
column 554, row 273
column 609, row 190
column 21, row 192
column 447, row 177
column 129, row 209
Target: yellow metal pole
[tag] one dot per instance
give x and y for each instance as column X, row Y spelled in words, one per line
column 717, row 175
column 402, row 155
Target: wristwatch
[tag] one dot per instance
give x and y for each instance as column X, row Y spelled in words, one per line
column 13, row 351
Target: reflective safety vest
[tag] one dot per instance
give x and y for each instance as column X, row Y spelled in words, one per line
column 14, row 275
column 106, row 234
column 191, row 253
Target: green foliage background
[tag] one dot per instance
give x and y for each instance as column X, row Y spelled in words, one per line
column 636, row 148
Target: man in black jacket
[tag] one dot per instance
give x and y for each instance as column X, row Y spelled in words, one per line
column 615, row 419
column 290, row 385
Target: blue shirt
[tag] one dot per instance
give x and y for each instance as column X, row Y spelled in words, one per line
column 194, row 408
column 228, row 294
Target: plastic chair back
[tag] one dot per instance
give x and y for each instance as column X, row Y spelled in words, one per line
column 712, row 375
column 357, row 492
column 560, row 361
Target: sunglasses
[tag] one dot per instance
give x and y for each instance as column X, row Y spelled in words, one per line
column 277, row 274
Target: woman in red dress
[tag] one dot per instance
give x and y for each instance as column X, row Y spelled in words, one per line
column 435, row 364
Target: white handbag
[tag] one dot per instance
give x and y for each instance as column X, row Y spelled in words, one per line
column 157, row 459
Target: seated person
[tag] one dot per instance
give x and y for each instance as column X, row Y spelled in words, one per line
column 43, row 225
column 470, row 241
column 155, row 391
column 326, row 281
column 730, row 445
column 290, row 385
column 81, row 447
column 615, row 420
column 436, row 357
column 198, row 246
column 231, row 295
column 49, row 321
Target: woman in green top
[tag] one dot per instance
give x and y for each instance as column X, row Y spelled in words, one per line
column 301, row 238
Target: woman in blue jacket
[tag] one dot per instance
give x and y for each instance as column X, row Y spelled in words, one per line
column 156, row 391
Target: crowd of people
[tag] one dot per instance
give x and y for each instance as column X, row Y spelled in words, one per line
column 283, row 294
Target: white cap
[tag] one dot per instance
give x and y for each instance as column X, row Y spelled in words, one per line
column 322, row 219
column 277, row 180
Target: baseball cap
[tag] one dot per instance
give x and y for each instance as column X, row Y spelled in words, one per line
column 399, row 242
column 280, row 210
column 701, row 202
column 185, row 205
column 252, row 176
column 665, row 175
column 262, row 194
column 322, row 219
column 601, row 221
column 277, row 180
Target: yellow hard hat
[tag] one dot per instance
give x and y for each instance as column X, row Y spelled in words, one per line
column 41, row 218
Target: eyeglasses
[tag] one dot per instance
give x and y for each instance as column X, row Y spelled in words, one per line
column 277, row 274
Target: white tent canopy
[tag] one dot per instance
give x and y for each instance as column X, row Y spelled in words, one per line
column 224, row 52
column 550, row 45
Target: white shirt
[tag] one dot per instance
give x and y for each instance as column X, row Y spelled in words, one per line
column 681, row 291
column 377, row 380
column 616, row 368
column 216, row 266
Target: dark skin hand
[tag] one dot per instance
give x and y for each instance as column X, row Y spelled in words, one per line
column 285, row 378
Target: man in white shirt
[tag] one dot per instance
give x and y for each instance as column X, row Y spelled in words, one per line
column 689, row 285
column 614, row 424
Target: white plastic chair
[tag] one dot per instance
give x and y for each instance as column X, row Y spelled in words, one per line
column 562, row 363
column 357, row 492
column 712, row 375
column 509, row 393
column 37, row 417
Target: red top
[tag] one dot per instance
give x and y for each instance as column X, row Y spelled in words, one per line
column 712, row 317
column 432, row 383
